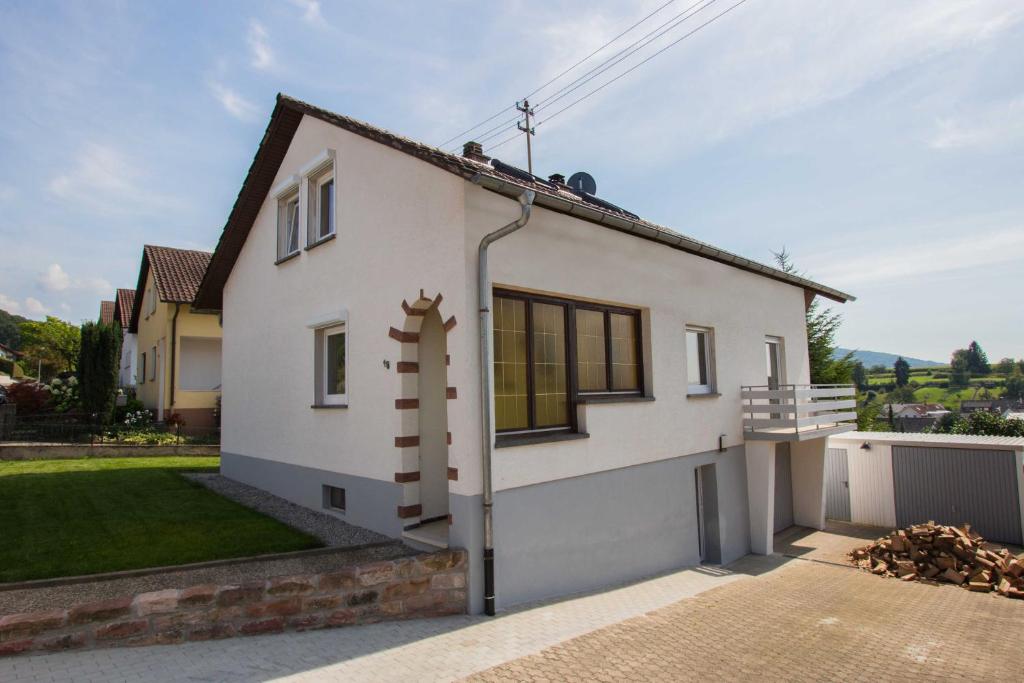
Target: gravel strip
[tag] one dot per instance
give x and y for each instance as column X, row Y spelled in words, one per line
column 331, row 531
column 61, row 597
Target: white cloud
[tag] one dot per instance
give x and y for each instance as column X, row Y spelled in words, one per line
column 982, row 249
column 103, row 179
column 10, row 305
column 233, row 103
column 35, row 308
column 56, row 279
column 991, row 126
column 310, row 11
column 262, row 56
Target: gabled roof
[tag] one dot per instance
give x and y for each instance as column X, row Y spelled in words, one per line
column 106, row 312
column 177, row 274
column 123, row 307
column 497, row 177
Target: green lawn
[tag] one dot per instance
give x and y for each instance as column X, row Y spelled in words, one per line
column 69, row 517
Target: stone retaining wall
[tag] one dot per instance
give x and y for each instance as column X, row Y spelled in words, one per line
column 419, row 586
column 50, row 451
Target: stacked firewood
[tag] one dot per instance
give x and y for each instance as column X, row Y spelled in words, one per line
column 935, row 552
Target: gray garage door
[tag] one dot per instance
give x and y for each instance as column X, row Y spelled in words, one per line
column 953, row 485
column 837, row 484
column 783, row 488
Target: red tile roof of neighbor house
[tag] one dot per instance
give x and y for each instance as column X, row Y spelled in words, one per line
column 177, row 274
column 504, row 179
column 123, row 306
column 106, row 312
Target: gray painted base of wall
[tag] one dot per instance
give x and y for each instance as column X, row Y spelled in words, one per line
column 561, row 537
column 589, row 532
column 370, row 503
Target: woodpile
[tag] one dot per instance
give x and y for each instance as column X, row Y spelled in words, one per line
column 937, row 553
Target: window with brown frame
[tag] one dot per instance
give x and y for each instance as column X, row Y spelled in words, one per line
column 550, row 352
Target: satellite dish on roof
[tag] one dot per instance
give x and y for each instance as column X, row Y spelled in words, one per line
column 583, row 182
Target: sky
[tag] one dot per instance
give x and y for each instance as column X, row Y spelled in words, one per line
column 880, row 143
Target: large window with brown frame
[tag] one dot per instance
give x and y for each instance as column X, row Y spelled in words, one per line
column 550, row 352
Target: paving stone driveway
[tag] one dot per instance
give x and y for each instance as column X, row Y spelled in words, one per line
column 808, row 621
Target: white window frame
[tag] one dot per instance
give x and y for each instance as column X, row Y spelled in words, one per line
column 141, row 371
column 284, row 194
column 323, row 326
column 315, row 174
column 152, row 369
column 708, row 336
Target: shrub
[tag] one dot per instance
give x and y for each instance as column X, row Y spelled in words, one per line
column 139, row 420
column 31, row 397
column 64, row 393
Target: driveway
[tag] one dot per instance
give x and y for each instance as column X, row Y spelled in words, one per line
column 762, row 618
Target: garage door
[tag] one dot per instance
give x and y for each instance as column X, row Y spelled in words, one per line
column 953, row 486
column 783, row 488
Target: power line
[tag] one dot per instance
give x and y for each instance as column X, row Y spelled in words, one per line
column 639, row 64
column 636, row 46
column 499, row 113
column 599, row 49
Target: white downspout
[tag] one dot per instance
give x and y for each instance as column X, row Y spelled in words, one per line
column 486, row 439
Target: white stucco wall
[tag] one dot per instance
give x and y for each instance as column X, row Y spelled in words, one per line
column 129, row 357
column 564, row 256
column 403, row 225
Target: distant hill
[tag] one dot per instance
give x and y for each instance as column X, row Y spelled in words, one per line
column 869, row 358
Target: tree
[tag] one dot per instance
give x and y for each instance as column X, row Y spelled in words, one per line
column 981, row 422
column 822, row 325
column 860, row 376
column 1005, row 367
column 1015, row 387
column 904, row 394
column 10, row 332
column 959, row 369
column 98, row 364
column 902, row 370
column 52, row 341
column 977, row 361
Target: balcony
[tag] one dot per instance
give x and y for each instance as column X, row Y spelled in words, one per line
column 798, row 412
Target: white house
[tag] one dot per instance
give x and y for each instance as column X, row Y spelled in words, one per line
column 123, row 304
column 635, row 383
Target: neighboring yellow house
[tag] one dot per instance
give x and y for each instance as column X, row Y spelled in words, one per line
column 178, row 356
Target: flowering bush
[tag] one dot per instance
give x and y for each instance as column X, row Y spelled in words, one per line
column 64, row 393
column 138, row 420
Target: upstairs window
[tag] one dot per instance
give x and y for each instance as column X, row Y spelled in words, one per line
column 320, row 197
column 550, row 353
column 288, row 221
column 699, row 361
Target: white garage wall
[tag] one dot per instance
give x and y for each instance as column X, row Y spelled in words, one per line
column 200, row 364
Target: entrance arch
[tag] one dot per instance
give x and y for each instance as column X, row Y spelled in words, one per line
column 433, row 418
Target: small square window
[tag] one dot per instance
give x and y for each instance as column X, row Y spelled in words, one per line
column 334, row 498
column 700, row 375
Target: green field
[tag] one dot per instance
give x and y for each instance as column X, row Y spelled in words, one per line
column 71, row 517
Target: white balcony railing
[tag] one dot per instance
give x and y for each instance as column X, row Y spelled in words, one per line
column 794, row 412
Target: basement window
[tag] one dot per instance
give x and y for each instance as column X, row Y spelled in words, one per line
column 334, row 498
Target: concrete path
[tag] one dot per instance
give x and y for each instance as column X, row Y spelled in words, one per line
column 427, row 650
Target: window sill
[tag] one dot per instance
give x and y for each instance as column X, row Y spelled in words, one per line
column 329, row 406
column 322, row 240
column 510, row 440
column 713, row 394
column 289, row 257
column 614, row 398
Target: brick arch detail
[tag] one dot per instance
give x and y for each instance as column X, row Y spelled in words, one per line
column 407, row 402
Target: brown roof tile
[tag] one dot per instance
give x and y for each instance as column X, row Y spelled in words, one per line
column 106, row 312
column 123, row 306
column 177, row 272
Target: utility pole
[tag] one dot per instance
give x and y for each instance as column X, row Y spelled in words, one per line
column 528, row 129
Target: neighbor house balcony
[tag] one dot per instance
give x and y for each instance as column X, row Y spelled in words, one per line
column 798, row 412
